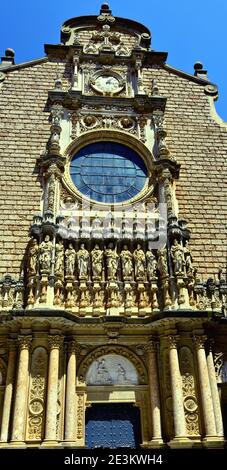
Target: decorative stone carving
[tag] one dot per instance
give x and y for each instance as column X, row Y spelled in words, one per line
column 36, row 406
column 126, row 262
column 218, row 364
column 189, row 391
column 97, row 262
column 80, row 416
column 111, row 261
column 83, row 262
column 70, row 258
column 167, row 393
column 24, row 341
column 177, row 253
column 55, row 341
column 140, row 262
column 188, row 260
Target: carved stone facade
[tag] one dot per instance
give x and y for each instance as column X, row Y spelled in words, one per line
column 102, row 298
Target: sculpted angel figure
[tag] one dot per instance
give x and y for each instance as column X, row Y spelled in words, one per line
column 45, row 254
column 59, row 257
column 33, row 257
column 177, row 254
column 151, row 264
column 162, row 262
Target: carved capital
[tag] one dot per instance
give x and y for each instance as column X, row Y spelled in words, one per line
column 24, row 342
column 199, row 341
column 152, row 345
column 72, row 347
column 172, row 341
column 55, row 341
column 12, row 344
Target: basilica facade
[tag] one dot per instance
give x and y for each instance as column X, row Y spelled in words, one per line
column 113, row 292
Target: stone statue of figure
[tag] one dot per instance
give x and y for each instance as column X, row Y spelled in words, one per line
column 188, row 259
column 162, row 265
column 97, row 261
column 126, row 261
column 45, row 254
column 111, row 261
column 151, row 264
column 83, row 260
column 140, row 260
column 33, row 257
column 70, row 258
column 177, row 253
column 59, row 257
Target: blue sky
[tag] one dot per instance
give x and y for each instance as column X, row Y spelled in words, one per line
column 188, row 30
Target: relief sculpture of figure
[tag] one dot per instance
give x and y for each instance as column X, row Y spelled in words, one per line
column 127, row 264
column 121, row 375
column 33, row 257
column 139, row 258
column 59, row 257
column 45, row 254
column 70, row 258
column 112, row 262
column 102, row 374
column 97, row 261
column 151, row 264
column 83, row 261
column 177, row 253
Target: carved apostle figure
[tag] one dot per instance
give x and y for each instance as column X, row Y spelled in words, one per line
column 59, row 257
column 188, row 259
column 151, row 264
column 97, row 261
column 33, row 257
column 126, row 261
column 177, row 254
column 112, row 261
column 45, row 254
column 83, row 261
column 140, row 260
column 70, row 258
column 162, row 265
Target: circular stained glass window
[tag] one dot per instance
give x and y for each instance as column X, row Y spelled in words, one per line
column 108, row 172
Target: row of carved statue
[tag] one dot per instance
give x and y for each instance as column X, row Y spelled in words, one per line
column 107, row 263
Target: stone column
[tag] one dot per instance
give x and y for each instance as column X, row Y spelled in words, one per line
column 205, row 391
column 70, row 404
column 8, row 390
column 214, row 392
column 55, row 342
column 177, row 393
column 18, row 432
column 154, row 393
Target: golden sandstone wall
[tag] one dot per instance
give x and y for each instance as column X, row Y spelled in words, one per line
column 194, row 138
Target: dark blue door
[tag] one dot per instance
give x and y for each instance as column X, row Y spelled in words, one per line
column 113, row 426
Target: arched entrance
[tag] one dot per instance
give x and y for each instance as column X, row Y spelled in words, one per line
column 113, row 392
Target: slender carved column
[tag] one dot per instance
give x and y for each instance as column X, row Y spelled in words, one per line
column 8, row 390
column 55, row 343
column 207, row 404
column 177, row 393
column 154, row 392
column 70, row 404
column 214, row 392
column 18, row 432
